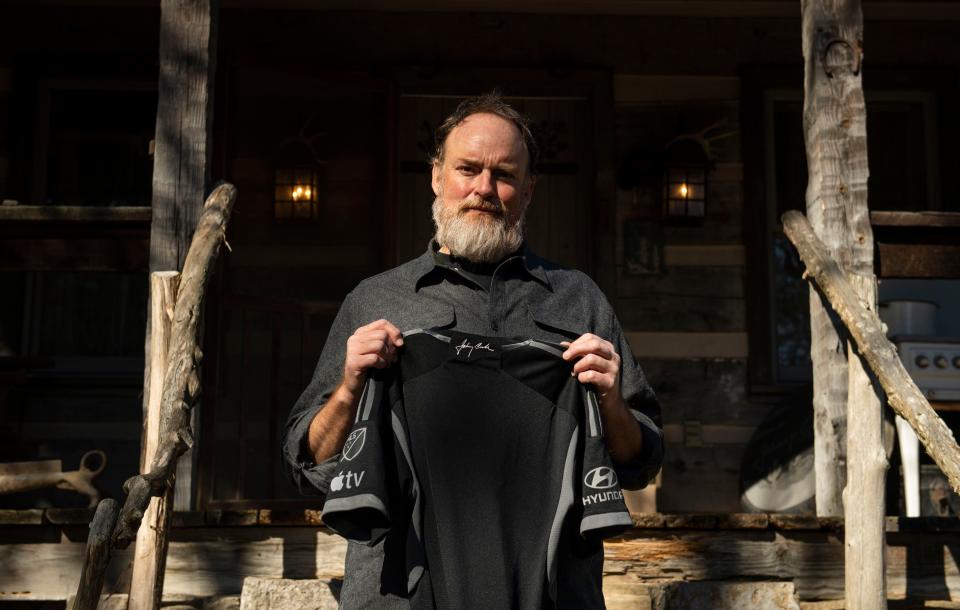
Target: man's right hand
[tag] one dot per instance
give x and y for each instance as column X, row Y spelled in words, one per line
column 371, row 346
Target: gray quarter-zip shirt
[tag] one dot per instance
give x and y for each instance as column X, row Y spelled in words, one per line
column 528, row 297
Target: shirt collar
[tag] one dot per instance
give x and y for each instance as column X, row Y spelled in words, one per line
column 426, row 264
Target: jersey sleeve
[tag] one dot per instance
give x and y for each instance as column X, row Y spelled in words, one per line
column 309, row 477
column 604, row 511
column 362, row 498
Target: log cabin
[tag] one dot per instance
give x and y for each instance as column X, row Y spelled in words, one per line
column 339, row 99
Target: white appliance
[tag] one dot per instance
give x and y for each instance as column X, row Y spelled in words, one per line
column 934, row 365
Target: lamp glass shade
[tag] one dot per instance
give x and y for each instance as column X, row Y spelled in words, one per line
column 295, row 193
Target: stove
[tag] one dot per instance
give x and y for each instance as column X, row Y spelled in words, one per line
column 934, row 364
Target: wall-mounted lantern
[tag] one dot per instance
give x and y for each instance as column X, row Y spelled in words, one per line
column 296, row 185
column 295, row 193
column 685, row 167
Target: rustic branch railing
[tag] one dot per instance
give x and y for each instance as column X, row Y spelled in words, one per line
column 97, row 556
column 867, row 331
column 181, row 383
column 181, row 389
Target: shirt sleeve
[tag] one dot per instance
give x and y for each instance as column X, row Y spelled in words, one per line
column 307, row 476
column 645, row 408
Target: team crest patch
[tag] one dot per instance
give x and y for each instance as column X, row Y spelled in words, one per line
column 354, row 444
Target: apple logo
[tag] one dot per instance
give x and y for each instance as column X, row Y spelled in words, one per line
column 337, row 483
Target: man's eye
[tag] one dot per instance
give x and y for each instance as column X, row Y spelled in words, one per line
column 467, row 169
column 504, row 174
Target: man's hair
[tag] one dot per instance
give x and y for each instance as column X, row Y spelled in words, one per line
column 488, row 103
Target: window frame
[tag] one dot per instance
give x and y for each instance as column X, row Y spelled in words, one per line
column 762, row 88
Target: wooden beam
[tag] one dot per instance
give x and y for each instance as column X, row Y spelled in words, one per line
column 918, row 260
column 915, row 219
column 129, row 254
column 184, row 146
column 688, row 345
column 149, row 559
column 181, row 168
column 72, row 213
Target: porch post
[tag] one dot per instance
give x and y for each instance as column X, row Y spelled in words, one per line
column 845, row 400
column 181, row 165
column 181, row 178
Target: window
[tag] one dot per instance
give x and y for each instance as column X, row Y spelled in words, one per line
column 902, row 149
column 93, row 143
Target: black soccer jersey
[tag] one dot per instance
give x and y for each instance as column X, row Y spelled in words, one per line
column 482, row 461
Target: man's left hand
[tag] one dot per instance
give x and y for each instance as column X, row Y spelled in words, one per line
column 597, row 363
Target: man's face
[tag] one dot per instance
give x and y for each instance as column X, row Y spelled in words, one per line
column 483, row 188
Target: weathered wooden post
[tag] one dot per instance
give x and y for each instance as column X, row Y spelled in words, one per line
column 834, row 117
column 182, row 154
column 146, row 582
column 97, row 556
column 181, row 177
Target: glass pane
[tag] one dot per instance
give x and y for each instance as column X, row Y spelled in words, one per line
column 791, row 312
column 83, row 314
column 98, row 148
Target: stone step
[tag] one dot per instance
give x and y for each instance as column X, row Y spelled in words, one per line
column 286, row 593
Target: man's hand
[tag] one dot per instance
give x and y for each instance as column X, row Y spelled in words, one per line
column 371, row 346
column 597, row 363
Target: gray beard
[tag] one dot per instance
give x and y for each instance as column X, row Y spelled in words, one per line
column 484, row 240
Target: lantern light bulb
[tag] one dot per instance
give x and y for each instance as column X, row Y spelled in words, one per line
column 684, row 191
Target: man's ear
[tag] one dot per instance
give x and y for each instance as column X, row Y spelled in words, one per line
column 435, row 181
column 531, row 185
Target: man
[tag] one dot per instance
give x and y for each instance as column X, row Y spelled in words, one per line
column 476, row 277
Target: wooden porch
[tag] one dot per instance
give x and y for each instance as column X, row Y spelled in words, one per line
column 211, row 553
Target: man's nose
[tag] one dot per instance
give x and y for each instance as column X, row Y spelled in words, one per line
column 485, row 185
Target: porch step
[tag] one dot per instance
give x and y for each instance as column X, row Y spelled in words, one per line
column 285, row 593
column 720, row 595
column 281, row 593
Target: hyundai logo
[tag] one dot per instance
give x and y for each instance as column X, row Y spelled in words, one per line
column 601, row 477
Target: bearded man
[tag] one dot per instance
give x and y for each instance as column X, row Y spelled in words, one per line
column 477, row 276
